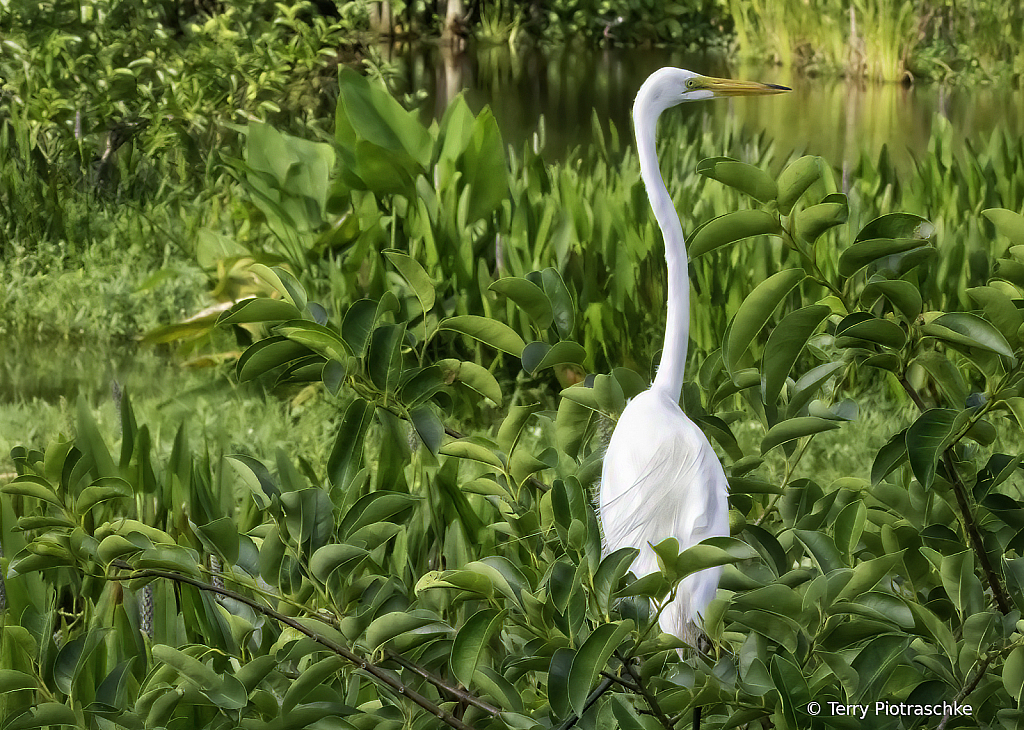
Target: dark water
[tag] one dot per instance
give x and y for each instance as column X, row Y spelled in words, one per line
column 835, row 118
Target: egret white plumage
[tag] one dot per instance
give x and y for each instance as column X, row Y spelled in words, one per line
column 661, row 478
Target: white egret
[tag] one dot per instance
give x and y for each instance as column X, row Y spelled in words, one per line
column 661, row 477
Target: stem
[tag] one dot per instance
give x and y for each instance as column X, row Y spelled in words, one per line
column 373, row 670
column 966, row 517
column 648, row 697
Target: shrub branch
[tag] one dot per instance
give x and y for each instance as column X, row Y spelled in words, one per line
column 370, row 668
column 966, row 516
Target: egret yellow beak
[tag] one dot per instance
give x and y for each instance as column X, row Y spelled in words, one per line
column 731, row 87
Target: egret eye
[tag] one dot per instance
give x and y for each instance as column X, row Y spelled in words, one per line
column 691, row 83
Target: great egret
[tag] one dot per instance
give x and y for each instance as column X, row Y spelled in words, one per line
column 661, row 477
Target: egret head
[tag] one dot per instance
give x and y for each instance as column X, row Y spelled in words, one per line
column 670, row 86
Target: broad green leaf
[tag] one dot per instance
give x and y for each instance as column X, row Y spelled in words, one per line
column 45, row 714
column 414, row 273
column 491, row 332
column 897, row 225
column 30, row 485
column 260, row 309
column 335, row 556
column 529, row 297
column 428, row 427
column 999, row 310
column 739, row 175
column 794, row 181
column 467, row 449
column 809, row 383
column 309, row 679
column 730, row 228
column 471, row 641
column 12, row 680
column 822, row 550
column 358, row 324
column 224, row 691
column 1009, row 224
column 795, row 428
column 592, row 658
column 754, row 313
column 889, row 457
column 384, row 358
column 1013, row 671
column 393, row 625
column 961, row 583
column 970, row 330
column 926, row 439
column 267, row 354
column 860, row 327
column 317, row 338
column 563, row 308
column 785, row 343
column 860, row 254
column 379, row 506
column 903, row 295
column 473, row 376
column 945, row 374
column 712, row 552
column 560, row 353
column 347, row 453
column 811, row 222
column 102, row 490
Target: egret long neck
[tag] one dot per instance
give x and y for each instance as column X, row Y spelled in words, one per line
column 677, row 327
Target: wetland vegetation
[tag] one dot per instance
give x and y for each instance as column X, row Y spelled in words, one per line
column 305, row 392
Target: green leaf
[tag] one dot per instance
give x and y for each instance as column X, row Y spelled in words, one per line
column 43, row 715
column 811, row 222
column 739, row 175
column 1009, row 224
column 970, row 330
column 903, row 295
column 471, row 642
column 309, row 679
column 414, row 273
column 822, row 550
column 30, row 485
column 491, row 332
column 711, row 552
column 260, row 309
column 795, row 428
column 384, row 359
column 529, row 297
column 558, row 682
column 926, row 439
column 266, row 355
column 379, row 506
column 316, row 337
column 536, row 359
column 592, row 658
column 860, row 327
column 785, row 343
column 1013, row 672
column 428, row 427
column 347, row 453
column 889, row 457
column 897, row 225
column 754, row 313
column 794, row 181
column 999, row 310
column 12, row 680
column 333, row 557
column 731, row 227
column 421, row 624
column 945, row 374
column 562, row 307
column 224, row 691
column 859, row 255
column 467, row 449
column 473, row 376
